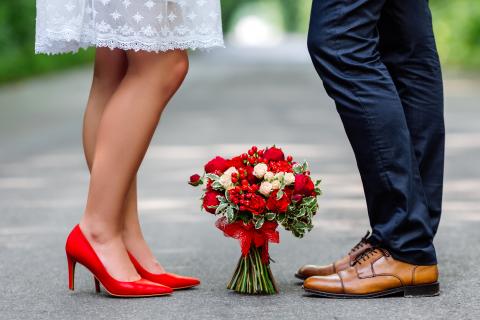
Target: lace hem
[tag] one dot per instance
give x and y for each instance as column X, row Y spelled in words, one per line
column 54, row 46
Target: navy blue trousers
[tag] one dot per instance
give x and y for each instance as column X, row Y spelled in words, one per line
column 378, row 61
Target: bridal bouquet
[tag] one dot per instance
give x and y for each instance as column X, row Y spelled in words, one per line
column 252, row 194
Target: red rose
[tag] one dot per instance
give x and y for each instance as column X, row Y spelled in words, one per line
column 210, row 201
column 304, row 185
column 250, row 177
column 195, row 180
column 256, row 204
column 218, row 164
column 236, row 162
column 278, row 206
column 297, row 197
column 274, row 154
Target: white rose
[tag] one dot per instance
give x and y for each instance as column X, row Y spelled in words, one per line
column 268, row 176
column 289, row 178
column 276, row 184
column 230, row 171
column 279, row 175
column 259, row 170
column 265, row 188
column 226, row 181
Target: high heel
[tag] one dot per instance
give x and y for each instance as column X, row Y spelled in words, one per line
column 79, row 250
column 171, row 280
column 71, row 273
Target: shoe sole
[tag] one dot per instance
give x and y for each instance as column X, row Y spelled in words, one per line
column 427, row 290
column 131, row 296
column 299, row 276
column 187, row 287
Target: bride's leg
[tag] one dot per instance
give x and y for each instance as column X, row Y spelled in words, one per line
column 124, row 133
column 133, row 236
column 110, row 68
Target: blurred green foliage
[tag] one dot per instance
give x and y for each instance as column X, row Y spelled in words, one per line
column 457, row 26
column 17, row 39
column 457, row 30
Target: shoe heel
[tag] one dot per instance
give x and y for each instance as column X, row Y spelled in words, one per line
column 425, row 290
column 71, row 272
column 97, row 285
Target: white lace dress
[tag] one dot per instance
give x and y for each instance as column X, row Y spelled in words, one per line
column 150, row 25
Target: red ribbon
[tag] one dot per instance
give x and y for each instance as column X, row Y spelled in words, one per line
column 247, row 234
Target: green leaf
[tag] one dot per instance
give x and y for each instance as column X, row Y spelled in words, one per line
column 281, row 217
column 221, row 208
column 301, row 213
column 259, row 223
column 212, row 176
column 298, row 169
column 270, row 216
column 230, row 213
column 279, row 194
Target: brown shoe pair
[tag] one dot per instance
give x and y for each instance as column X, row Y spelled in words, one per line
column 369, row 272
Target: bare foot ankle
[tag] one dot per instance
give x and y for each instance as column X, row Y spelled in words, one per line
column 137, row 246
column 112, row 252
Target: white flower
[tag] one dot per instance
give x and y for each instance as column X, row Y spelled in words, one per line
column 231, row 170
column 289, row 178
column 226, row 181
column 279, row 175
column 266, row 188
column 268, row 176
column 259, row 170
column 276, row 184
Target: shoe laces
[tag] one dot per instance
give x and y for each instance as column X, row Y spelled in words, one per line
column 361, row 243
column 370, row 253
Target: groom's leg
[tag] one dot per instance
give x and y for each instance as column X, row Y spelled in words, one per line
column 407, row 48
column 343, row 41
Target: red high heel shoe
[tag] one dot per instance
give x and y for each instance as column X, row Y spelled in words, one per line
column 171, row 280
column 79, row 250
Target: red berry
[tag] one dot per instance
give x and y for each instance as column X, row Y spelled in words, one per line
column 250, row 152
column 234, row 180
column 289, row 158
column 244, row 156
column 260, row 153
column 251, row 160
column 242, row 208
column 254, row 148
column 244, row 182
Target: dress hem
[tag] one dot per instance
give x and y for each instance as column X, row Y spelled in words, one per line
column 71, row 46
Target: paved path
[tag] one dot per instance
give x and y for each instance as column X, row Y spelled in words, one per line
column 243, row 97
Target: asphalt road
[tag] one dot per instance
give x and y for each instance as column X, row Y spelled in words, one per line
column 232, row 99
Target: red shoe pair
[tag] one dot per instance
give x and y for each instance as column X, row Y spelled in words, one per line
column 79, row 250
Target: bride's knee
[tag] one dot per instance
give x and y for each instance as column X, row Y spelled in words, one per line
column 165, row 71
column 179, row 68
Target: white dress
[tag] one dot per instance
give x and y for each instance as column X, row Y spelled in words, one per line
column 150, row 25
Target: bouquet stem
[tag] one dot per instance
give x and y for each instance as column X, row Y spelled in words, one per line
column 252, row 276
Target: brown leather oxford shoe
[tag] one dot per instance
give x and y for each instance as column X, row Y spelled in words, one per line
column 310, row 270
column 376, row 274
